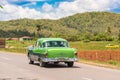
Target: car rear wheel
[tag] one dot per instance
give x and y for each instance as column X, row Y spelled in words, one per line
column 31, row 62
column 70, row 64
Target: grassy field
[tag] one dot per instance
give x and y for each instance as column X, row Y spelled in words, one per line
column 109, row 64
column 18, row 46
column 21, row 47
column 94, row 45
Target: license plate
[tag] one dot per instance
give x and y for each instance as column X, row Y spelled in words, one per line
column 61, row 59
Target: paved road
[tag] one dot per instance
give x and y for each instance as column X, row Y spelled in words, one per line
column 16, row 67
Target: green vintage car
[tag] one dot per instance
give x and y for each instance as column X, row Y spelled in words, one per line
column 52, row 50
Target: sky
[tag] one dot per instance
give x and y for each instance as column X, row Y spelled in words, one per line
column 53, row 9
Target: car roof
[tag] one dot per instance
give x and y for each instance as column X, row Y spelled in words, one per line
column 41, row 40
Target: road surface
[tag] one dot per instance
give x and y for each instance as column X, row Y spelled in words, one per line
column 16, row 67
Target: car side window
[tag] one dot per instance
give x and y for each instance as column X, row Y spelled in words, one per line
column 38, row 44
column 43, row 45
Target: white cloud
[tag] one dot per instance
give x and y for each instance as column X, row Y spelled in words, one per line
column 14, row 12
column 46, row 7
column 29, row 4
column 25, row 0
column 49, row 12
column 3, row 2
column 79, row 6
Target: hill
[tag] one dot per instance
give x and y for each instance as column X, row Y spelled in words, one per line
column 90, row 26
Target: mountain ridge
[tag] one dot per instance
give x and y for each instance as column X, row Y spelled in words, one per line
column 76, row 26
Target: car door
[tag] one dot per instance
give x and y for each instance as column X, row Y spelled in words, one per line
column 38, row 51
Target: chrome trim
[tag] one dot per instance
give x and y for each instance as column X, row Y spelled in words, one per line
column 59, row 59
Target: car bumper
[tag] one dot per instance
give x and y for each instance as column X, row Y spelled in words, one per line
column 60, row 59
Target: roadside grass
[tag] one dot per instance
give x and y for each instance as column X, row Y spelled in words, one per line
column 15, row 50
column 17, row 46
column 109, row 64
column 94, row 45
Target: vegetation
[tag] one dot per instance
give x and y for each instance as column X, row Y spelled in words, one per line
column 90, row 26
column 94, row 45
column 119, row 36
column 21, row 47
column 109, row 64
column 1, row 6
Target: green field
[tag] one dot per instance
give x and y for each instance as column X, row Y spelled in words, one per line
column 94, row 45
column 21, row 47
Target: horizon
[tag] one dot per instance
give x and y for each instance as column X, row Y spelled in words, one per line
column 53, row 9
column 58, row 18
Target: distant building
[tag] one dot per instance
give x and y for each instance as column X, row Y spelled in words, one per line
column 25, row 38
column 16, row 39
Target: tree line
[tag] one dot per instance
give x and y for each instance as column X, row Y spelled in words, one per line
column 90, row 26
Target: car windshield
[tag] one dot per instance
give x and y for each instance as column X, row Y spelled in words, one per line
column 55, row 44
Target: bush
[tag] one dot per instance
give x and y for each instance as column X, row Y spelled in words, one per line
column 112, row 62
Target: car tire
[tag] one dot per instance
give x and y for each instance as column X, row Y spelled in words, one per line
column 31, row 62
column 42, row 64
column 56, row 62
column 70, row 64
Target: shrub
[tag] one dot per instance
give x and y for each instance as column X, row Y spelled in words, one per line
column 112, row 62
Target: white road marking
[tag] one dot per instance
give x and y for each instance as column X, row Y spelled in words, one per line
column 84, row 78
column 5, row 58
